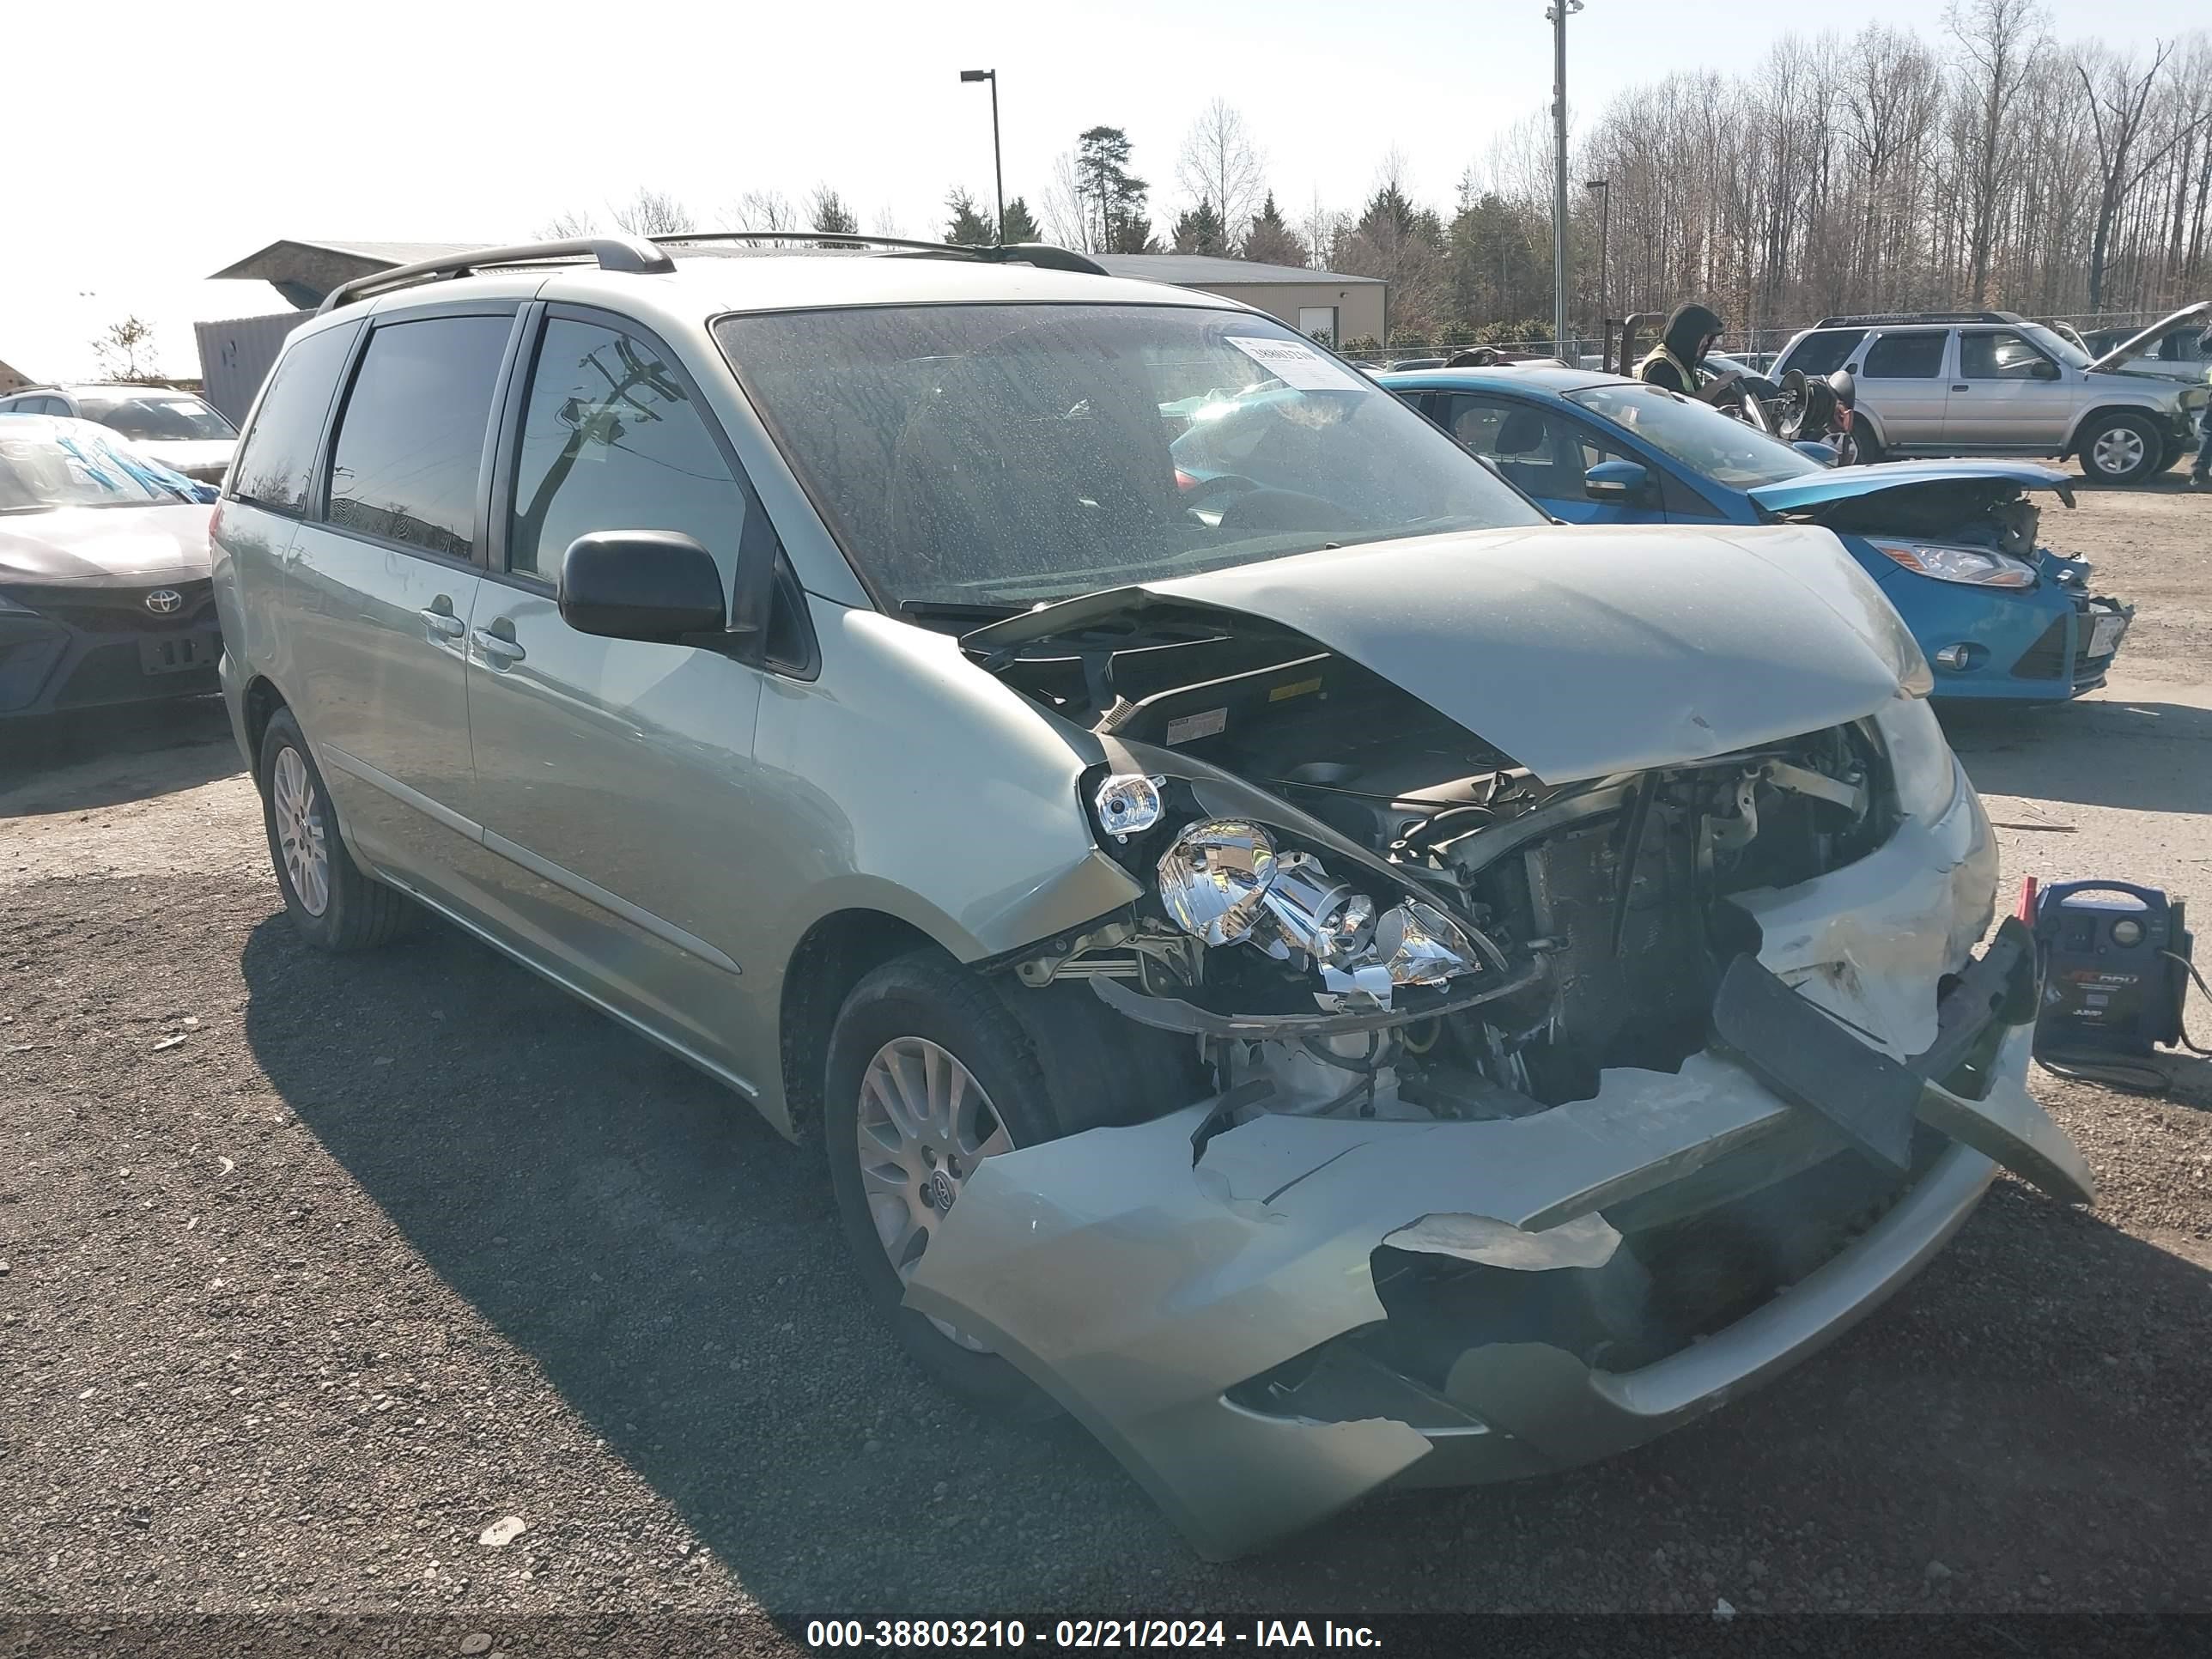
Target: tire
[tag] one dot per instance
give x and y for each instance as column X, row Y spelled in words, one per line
column 356, row 912
column 1867, row 450
column 2119, row 448
column 928, row 999
column 2171, row 457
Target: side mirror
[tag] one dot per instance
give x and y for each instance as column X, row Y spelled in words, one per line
column 2043, row 369
column 1621, row 482
column 652, row 585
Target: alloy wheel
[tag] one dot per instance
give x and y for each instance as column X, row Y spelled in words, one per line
column 2118, row 450
column 300, row 833
column 924, row 1124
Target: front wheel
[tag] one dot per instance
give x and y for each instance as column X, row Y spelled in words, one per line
column 928, row 1074
column 2120, row 449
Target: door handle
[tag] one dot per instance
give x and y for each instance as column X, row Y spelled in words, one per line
column 439, row 619
column 499, row 651
column 1962, row 388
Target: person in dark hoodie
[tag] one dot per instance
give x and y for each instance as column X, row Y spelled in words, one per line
column 1691, row 333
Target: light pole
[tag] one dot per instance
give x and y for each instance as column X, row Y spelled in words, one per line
column 998, row 172
column 1604, row 189
column 1558, row 12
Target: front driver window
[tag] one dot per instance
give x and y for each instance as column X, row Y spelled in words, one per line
column 612, row 440
column 2000, row 354
column 1543, row 452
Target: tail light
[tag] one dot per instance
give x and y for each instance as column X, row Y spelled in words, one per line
column 1184, row 481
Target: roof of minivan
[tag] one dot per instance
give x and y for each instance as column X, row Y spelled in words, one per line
column 702, row 288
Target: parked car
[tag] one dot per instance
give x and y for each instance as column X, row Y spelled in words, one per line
column 181, row 431
column 1228, row 940
column 1992, row 383
column 1952, row 544
column 105, row 587
column 2169, row 348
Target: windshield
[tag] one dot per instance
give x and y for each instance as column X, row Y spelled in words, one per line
column 1710, row 444
column 156, row 417
column 46, row 469
column 2063, row 349
column 994, row 456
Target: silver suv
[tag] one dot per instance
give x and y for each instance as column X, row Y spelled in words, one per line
column 1234, row 893
column 1993, row 383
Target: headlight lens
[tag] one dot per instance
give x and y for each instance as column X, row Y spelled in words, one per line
column 1927, row 777
column 1975, row 566
column 1223, row 881
column 1127, row 803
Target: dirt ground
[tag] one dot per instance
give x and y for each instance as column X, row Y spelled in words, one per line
column 315, row 1270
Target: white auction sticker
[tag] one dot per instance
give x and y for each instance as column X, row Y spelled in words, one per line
column 1298, row 365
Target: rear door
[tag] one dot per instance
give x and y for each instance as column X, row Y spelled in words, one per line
column 615, row 776
column 382, row 582
column 2008, row 392
column 1900, row 377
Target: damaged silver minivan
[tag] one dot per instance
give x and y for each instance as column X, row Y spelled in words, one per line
column 1337, row 986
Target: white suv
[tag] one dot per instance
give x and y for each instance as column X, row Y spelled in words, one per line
column 1993, row 383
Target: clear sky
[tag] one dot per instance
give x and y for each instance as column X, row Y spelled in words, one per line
column 241, row 121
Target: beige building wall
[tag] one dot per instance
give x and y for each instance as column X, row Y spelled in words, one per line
column 1359, row 305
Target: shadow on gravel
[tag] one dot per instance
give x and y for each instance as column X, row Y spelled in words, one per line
column 2034, row 1404
column 105, row 757
column 2146, row 756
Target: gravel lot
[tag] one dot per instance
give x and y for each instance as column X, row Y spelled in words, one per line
column 315, row 1270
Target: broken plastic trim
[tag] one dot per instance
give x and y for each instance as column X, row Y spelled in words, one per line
column 1173, row 1014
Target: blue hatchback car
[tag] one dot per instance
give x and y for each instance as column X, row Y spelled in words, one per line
column 1953, row 544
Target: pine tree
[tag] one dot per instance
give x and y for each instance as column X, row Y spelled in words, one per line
column 1020, row 227
column 1270, row 241
column 969, row 227
column 1199, row 231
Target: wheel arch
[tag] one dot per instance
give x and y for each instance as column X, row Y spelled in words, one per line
column 2087, row 421
column 831, row 956
column 259, row 702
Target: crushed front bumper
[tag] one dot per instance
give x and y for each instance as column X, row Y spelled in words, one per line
column 1223, row 1324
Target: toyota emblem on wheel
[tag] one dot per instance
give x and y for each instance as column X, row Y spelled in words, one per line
column 165, row 602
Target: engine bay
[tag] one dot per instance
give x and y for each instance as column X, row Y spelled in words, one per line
column 1357, row 906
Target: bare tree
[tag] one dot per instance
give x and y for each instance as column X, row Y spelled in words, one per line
column 125, row 352
column 567, row 227
column 765, row 209
column 885, row 222
column 1066, row 209
column 1998, row 42
column 2118, row 99
column 652, row 213
column 1219, row 164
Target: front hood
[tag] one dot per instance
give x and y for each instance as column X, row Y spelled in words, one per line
column 1844, row 483
column 97, row 544
column 1578, row 652
column 2135, row 344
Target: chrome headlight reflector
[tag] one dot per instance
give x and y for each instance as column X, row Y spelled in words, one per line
column 1223, row 881
column 1925, row 775
column 1214, row 878
column 1127, row 803
column 1976, row 567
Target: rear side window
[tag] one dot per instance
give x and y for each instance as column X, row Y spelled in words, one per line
column 1906, row 356
column 277, row 460
column 612, row 440
column 410, row 443
column 1825, row 352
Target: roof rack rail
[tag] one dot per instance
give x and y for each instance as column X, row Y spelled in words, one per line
column 632, row 254
column 1044, row 255
column 1870, row 318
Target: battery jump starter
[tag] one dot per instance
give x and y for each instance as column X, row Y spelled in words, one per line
column 2116, row 968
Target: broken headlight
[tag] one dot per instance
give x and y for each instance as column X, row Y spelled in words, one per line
column 1223, row 882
